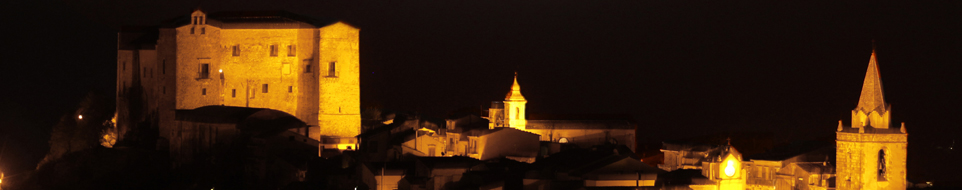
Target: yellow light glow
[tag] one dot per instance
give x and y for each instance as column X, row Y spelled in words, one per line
column 346, row 146
column 80, row 116
column 730, row 169
column 220, row 70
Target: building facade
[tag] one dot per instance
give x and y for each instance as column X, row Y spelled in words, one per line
column 306, row 67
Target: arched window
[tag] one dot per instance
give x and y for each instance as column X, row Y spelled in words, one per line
column 881, row 165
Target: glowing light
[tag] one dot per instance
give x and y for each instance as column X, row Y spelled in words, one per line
column 563, row 140
column 730, row 169
column 80, row 116
column 219, row 71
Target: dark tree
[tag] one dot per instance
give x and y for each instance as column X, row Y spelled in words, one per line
column 83, row 129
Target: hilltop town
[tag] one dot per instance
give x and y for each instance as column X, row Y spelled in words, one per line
column 271, row 100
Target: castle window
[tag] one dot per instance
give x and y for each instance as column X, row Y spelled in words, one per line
column 204, row 71
column 203, row 91
column 193, row 20
column 290, row 50
column 124, row 66
column 203, row 30
column 517, row 113
column 290, row 89
column 332, row 69
column 233, row 93
column 191, row 30
column 881, row 165
column 202, row 20
column 307, row 68
column 264, row 89
column 235, row 50
column 273, row 50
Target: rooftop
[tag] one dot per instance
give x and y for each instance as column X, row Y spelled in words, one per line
column 255, row 19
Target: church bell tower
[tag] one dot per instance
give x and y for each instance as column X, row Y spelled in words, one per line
column 870, row 154
column 514, row 107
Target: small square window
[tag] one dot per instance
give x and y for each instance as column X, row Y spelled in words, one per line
column 290, row 50
column 332, row 69
column 307, row 68
column 235, row 50
column 273, row 50
column 264, row 89
column 290, row 89
column 233, row 93
column 204, row 71
column 191, row 30
column 203, row 91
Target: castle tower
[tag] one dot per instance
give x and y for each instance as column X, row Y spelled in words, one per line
column 339, row 111
column 870, row 154
column 514, row 106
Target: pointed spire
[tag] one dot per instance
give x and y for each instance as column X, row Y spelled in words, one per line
column 515, row 86
column 872, row 98
column 515, row 93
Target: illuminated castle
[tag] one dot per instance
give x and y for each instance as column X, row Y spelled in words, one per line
column 305, row 67
column 870, row 154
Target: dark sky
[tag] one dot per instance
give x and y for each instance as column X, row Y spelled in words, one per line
column 681, row 68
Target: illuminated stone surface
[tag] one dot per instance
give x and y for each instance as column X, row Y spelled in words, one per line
column 305, row 67
column 872, row 109
column 869, row 154
column 514, row 107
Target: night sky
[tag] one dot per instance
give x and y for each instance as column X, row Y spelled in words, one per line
column 680, row 68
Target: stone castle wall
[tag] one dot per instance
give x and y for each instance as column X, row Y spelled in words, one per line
column 295, row 74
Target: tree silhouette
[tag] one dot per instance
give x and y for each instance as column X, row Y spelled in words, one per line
column 82, row 129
